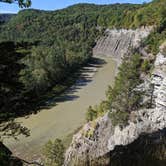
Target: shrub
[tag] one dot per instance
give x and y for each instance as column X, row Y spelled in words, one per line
column 54, row 153
column 97, row 111
column 91, row 114
column 146, row 66
column 119, row 118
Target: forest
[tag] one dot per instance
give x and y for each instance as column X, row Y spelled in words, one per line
column 53, row 45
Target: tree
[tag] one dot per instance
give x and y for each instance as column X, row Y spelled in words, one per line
column 91, row 114
column 10, row 91
column 10, row 86
column 54, row 153
column 21, row 3
column 10, row 128
column 124, row 96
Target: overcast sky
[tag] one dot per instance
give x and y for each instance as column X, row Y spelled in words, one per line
column 58, row 4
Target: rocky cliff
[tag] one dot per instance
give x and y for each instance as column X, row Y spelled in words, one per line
column 87, row 149
column 116, row 43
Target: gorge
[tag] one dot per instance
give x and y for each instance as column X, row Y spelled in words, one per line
column 106, row 137
column 84, row 85
column 89, row 90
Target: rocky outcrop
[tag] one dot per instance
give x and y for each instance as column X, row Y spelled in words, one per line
column 117, row 43
column 147, row 150
column 94, row 141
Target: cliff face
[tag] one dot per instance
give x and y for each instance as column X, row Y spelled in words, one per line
column 104, row 138
column 116, row 43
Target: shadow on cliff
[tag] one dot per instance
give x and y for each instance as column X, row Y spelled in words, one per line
column 147, row 150
column 85, row 76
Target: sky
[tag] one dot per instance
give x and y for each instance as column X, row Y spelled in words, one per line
column 59, row 4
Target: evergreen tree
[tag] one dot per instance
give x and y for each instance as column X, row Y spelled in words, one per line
column 54, row 153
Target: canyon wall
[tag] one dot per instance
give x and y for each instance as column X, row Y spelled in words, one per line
column 116, row 43
column 100, row 138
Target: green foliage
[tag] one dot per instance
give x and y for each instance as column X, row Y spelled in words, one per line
column 21, row 3
column 7, row 158
column 63, row 40
column 60, row 42
column 44, row 67
column 54, row 153
column 154, row 40
column 78, row 22
column 98, row 110
column 91, row 114
column 124, row 96
column 74, row 28
column 57, row 45
column 91, row 131
column 10, row 86
column 146, row 66
column 119, row 118
column 5, row 155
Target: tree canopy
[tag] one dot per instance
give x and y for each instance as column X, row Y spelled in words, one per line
column 21, row 3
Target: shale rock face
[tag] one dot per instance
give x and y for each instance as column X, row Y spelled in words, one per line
column 116, row 43
column 104, row 138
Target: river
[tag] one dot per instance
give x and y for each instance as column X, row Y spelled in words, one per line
column 69, row 113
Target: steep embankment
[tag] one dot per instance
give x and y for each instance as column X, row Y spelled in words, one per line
column 117, row 43
column 104, row 137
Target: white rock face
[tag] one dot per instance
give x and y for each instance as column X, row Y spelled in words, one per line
column 105, row 137
column 159, row 81
column 117, row 43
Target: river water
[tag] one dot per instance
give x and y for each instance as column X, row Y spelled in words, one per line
column 69, row 113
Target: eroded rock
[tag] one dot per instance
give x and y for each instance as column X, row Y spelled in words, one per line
column 117, row 43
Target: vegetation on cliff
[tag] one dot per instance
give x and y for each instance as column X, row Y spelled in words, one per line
column 123, row 96
column 54, row 153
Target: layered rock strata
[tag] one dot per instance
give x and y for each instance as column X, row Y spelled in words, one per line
column 117, row 43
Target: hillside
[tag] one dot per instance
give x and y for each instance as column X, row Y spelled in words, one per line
column 53, row 46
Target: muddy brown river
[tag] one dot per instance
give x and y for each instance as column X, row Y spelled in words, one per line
column 68, row 114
